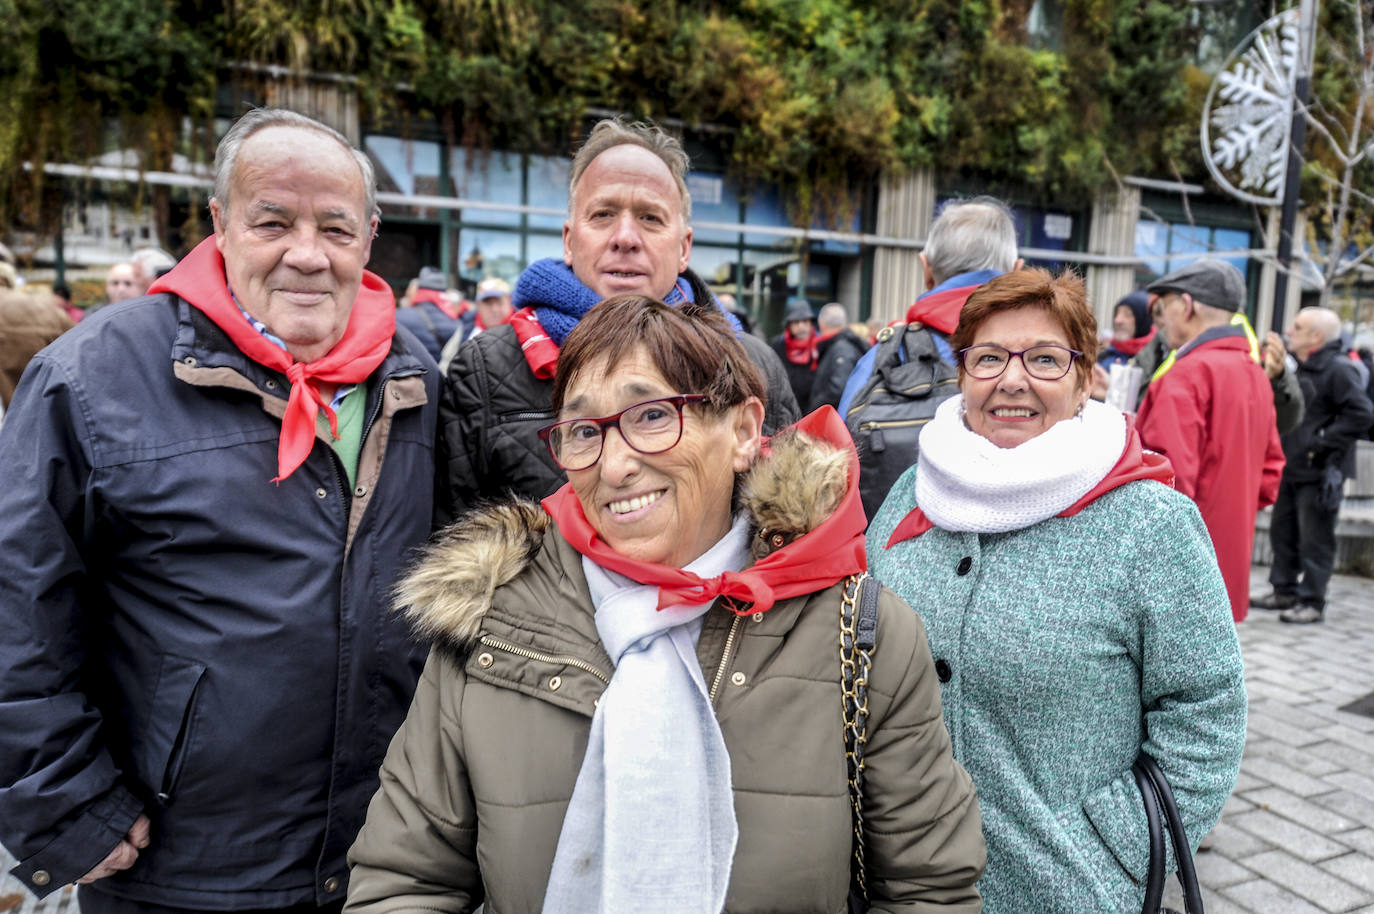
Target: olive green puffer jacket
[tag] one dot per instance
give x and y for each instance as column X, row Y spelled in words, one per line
column 475, row 786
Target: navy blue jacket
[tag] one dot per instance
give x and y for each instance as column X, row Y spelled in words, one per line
column 181, row 637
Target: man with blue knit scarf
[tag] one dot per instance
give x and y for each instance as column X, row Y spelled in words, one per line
column 628, row 231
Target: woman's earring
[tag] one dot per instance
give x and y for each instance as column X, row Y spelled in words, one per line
column 1079, row 412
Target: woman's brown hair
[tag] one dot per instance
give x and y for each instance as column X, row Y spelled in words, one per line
column 1064, row 297
column 694, row 347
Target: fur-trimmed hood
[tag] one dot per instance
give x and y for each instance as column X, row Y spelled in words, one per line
column 791, row 489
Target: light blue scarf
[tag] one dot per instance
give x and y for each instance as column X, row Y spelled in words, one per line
column 651, row 823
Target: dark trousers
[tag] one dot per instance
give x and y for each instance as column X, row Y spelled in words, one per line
column 97, row 902
column 1303, row 536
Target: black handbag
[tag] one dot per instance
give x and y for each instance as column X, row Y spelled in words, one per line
column 858, row 637
column 1161, row 811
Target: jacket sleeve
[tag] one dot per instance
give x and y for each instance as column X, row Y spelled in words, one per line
column 459, row 464
column 1192, row 688
column 63, row 807
column 923, row 834
column 417, row 851
column 781, row 410
column 1172, row 424
column 1352, row 414
column 828, row 388
column 1272, row 470
column 1288, row 403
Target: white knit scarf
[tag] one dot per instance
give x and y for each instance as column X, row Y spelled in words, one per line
column 967, row 484
column 651, row 823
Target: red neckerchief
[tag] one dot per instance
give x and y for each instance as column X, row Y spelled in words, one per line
column 438, row 300
column 940, row 310
column 1129, row 348
column 811, row 562
column 199, row 279
column 1135, row 463
column 541, row 352
column 801, row 352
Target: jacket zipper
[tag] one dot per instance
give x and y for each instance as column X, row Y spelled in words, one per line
column 517, row 650
column 891, row 423
column 724, row 658
column 381, row 398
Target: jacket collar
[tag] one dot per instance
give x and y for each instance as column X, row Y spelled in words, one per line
column 1216, row 334
column 1322, row 357
column 200, row 343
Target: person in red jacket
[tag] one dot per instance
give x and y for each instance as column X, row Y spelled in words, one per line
column 1212, row 414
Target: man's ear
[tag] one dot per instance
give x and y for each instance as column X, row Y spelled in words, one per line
column 928, row 276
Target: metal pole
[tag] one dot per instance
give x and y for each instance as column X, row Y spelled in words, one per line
column 1297, row 137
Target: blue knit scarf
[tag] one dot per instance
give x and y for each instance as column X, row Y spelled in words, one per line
column 560, row 299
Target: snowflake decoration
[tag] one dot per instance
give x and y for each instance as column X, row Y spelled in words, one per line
column 1249, row 108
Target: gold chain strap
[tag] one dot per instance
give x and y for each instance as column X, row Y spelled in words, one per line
column 854, row 667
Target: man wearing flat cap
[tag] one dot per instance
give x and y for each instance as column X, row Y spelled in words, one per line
column 1211, row 413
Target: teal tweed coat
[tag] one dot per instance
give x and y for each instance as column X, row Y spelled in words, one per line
column 1067, row 646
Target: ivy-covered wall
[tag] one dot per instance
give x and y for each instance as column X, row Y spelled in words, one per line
column 818, row 96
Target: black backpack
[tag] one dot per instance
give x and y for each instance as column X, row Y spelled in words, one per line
column 887, row 415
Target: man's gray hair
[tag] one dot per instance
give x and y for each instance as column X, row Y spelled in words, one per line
column 612, row 132
column 227, row 154
column 833, row 315
column 968, row 235
column 1325, row 321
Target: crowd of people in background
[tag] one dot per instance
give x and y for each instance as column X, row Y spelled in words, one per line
column 621, row 532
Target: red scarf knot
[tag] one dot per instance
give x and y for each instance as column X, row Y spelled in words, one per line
column 199, row 280
column 813, row 561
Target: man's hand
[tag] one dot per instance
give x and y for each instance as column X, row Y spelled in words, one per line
column 1101, row 381
column 1274, row 355
column 124, row 854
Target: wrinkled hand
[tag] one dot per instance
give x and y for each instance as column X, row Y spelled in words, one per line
column 1274, row 355
column 1101, row 380
column 124, row 854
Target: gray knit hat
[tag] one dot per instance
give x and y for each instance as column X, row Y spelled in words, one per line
column 1210, row 282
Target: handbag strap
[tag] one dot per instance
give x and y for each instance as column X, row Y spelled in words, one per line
column 858, row 638
column 1159, row 801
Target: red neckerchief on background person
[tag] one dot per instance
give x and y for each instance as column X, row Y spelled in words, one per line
column 1130, row 347
column 801, row 352
column 940, row 310
column 816, row 560
column 439, row 300
column 1135, row 463
column 539, row 349
column 199, row 279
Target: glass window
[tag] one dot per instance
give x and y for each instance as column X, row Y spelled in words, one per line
column 548, row 186
column 404, row 166
column 489, row 177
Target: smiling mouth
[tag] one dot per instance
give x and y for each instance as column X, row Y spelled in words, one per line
column 626, row 505
column 1013, row 412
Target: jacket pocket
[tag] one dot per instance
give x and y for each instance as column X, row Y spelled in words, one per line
column 161, row 754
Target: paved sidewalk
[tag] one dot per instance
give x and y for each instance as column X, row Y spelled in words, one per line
column 1297, row 837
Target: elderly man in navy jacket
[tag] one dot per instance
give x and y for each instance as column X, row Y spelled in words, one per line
column 205, row 496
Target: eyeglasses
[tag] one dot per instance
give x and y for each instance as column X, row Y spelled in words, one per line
column 651, row 427
column 1046, row 363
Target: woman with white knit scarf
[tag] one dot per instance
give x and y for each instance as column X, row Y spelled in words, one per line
column 634, row 699
column 1074, row 607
